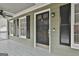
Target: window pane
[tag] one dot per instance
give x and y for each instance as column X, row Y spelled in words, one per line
column 65, row 34
column 76, row 25
column 23, row 27
column 65, row 29
column 46, row 15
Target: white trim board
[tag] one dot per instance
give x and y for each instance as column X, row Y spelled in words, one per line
column 39, row 5
column 49, row 27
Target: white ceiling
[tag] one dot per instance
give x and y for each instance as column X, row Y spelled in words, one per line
column 15, row 7
column 12, row 8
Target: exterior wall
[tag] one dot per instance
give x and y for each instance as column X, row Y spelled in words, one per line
column 56, row 48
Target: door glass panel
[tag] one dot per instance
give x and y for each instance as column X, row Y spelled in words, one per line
column 45, row 16
column 39, row 17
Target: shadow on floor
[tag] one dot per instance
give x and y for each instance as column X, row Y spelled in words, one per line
column 3, row 54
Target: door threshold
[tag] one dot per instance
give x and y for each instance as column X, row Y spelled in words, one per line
column 42, row 46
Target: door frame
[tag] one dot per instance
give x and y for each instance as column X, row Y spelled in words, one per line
column 49, row 27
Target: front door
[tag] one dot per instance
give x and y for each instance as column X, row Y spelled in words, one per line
column 42, row 28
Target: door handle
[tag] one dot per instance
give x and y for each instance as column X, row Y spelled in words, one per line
column 54, row 29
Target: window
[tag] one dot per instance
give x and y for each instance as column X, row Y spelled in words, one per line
column 65, row 25
column 17, row 27
column 14, row 27
column 22, row 27
column 75, row 26
column 11, row 27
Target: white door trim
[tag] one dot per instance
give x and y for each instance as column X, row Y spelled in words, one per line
column 49, row 27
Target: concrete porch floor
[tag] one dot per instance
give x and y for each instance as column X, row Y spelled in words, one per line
column 14, row 48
